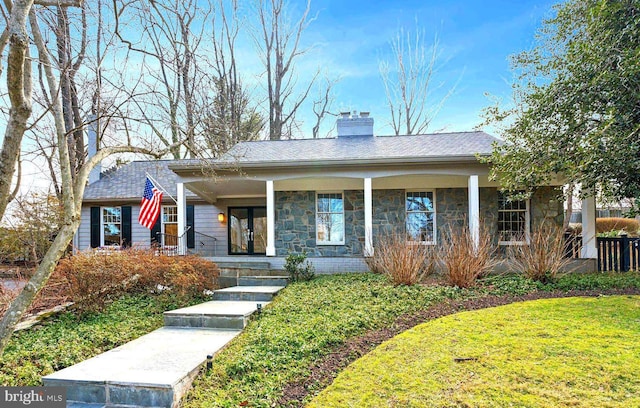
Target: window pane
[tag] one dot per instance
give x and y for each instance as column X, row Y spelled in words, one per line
column 111, row 234
column 330, row 218
column 170, row 214
column 420, row 226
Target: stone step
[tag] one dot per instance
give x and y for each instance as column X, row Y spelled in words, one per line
column 263, row 280
column 251, row 272
column 244, row 264
column 248, row 293
column 213, row 315
column 154, row 370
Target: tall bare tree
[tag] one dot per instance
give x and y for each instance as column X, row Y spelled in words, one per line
column 410, row 82
column 278, row 42
column 228, row 117
column 172, row 31
column 72, row 188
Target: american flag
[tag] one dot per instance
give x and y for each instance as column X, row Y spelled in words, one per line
column 150, row 205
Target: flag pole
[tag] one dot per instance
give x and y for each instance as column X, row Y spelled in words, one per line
column 155, row 182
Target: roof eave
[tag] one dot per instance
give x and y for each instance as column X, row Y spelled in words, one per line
column 449, row 159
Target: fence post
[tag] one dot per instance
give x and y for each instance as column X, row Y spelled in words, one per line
column 625, row 262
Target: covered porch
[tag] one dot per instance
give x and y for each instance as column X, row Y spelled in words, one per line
column 252, row 214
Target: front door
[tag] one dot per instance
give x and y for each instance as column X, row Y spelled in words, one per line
column 247, row 230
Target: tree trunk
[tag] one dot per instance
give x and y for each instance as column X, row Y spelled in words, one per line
column 20, row 305
column 19, row 87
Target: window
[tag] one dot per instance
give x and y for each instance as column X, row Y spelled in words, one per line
column 513, row 220
column 111, row 226
column 420, row 224
column 329, row 219
column 169, row 225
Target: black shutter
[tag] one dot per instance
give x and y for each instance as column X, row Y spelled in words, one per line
column 95, row 227
column 191, row 233
column 126, row 225
column 155, row 232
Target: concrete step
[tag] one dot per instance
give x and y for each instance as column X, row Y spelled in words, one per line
column 248, row 293
column 244, row 264
column 213, row 315
column 263, row 280
column 154, row 370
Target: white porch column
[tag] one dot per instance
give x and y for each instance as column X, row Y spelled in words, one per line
column 368, row 218
column 271, row 220
column 589, row 242
column 474, row 209
column 182, row 219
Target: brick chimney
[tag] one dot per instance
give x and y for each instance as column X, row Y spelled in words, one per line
column 351, row 124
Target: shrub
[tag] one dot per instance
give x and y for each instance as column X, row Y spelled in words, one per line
column 94, row 278
column 610, row 227
column 630, row 225
column 402, row 262
column 299, row 268
column 463, row 262
column 544, row 256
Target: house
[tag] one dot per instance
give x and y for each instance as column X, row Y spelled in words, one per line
column 330, row 198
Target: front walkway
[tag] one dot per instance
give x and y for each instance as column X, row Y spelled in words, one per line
column 157, row 369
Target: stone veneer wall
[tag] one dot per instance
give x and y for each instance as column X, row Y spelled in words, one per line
column 296, row 229
column 388, row 212
column 295, row 224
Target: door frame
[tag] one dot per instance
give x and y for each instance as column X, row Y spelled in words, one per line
column 250, row 226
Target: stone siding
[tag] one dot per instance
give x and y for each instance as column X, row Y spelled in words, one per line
column 452, row 210
column 296, row 226
column 388, row 212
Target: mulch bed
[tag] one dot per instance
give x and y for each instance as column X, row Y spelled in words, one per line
column 324, row 371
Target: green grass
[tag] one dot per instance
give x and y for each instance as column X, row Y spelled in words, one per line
column 304, row 323
column 67, row 339
column 546, row 353
column 308, row 320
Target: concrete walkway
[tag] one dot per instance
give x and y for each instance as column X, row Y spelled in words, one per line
column 157, row 369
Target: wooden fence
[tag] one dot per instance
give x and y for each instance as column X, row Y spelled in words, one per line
column 618, row 254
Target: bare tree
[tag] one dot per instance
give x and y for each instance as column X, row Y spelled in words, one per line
column 322, row 104
column 278, row 43
column 409, row 82
column 228, row 117
column 72, row 187
column 169, row 44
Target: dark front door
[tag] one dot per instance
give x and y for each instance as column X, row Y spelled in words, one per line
column 247, row 230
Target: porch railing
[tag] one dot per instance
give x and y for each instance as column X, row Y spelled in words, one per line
column 169, row 244
column 618, row 254
column 204, row 245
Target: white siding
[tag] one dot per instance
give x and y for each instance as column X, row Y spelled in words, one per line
column 84, row 231
column 205, row 222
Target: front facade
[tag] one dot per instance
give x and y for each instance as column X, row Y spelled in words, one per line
column 330, row 198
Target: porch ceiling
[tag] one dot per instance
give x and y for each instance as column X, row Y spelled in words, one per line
column 220, row 188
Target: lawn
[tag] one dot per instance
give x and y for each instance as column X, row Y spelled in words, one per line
column 309, row 320
column 545, row 353
column 304, row 324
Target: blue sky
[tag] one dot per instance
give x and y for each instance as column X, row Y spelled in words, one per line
column 476, row 38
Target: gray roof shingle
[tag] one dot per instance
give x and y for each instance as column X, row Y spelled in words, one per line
column 127, row 181
column 438, row 145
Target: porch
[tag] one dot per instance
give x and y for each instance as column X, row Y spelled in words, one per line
column 263, row 213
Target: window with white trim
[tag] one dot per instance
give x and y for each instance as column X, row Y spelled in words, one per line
column 111, row 221
column 420, row 216
column 513, row 220
column 329, row 219
column 169, row 225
